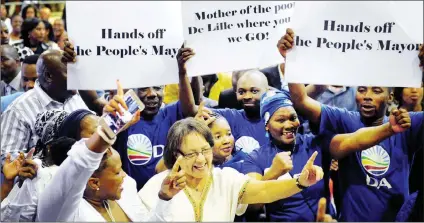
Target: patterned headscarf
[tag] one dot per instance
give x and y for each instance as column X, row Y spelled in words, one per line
column 272, row 101
column 47, row 125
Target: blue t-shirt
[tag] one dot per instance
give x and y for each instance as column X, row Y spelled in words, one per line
column 248, row 134
column 302, row 206
column 141, row 146
column 373, row 182
column 236, row 162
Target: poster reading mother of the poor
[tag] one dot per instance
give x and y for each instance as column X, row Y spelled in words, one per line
column 228, row 35
column 133, row 41
column 356, row 43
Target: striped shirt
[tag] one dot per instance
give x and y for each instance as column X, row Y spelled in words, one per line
column 17, row 122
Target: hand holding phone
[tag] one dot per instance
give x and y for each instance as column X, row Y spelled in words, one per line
column 121, row 112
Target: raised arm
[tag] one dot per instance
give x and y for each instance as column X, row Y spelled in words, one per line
column 186, row 93
column 90, row 98
column 344, row 144
column 273, row 190
column 304, row 104
column 62, row 196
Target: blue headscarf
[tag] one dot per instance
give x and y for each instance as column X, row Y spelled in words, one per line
column 71, row 126
column 271, row 101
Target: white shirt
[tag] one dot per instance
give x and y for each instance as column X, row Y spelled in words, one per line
column 17, row 124
column 21, row 203
column 62, row 200
column 221, row 202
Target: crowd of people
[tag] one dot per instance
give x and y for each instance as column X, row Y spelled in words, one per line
column 260, row 149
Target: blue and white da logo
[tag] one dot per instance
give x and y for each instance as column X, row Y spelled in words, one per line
column 247, row 143
column 140, row 150
column 375, row 160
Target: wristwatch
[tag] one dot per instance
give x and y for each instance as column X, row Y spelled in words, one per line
column 300, row 186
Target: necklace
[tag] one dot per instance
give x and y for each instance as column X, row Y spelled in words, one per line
column 109, row 212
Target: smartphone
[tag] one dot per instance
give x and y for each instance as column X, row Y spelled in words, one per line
column 114, row 124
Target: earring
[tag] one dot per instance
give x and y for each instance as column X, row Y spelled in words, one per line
column 266, row 134
column 98, row 189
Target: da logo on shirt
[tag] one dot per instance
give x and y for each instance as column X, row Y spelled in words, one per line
column 375, row 160
column 139, row 149
column 247, row 143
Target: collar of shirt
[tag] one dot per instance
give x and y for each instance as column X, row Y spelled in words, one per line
column 16, row 82
column 42, row 96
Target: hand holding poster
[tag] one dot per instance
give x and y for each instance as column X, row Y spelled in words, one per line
column 135, row 42
column 356, row 43
column 228, row 36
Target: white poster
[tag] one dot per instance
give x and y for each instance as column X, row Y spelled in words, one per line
column 228, row 35
column 135, row 42
column 356, row 43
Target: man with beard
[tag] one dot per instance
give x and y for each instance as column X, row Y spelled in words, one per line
column 374, row 181
column 50, row 92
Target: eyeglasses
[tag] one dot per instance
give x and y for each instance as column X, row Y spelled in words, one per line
column 204, row 152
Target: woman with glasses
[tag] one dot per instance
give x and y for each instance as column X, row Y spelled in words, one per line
column 206, row 193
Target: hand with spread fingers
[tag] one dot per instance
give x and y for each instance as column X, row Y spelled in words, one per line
column 399, row 120
column 286, row 42
column 29, row 167
column 282, row 163
column 174, row 182
column 11, row 168
column 311, row 173
column 204, row 114
column 69, row 55
column 184, row 54
column 321, row 215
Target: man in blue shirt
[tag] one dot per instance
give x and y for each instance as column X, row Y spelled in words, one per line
column 374, row 181
column 141, row 145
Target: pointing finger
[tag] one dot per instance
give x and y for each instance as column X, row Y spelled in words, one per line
column 120, row 90
column 30, row 153
column 176, row 166
column 311, row 160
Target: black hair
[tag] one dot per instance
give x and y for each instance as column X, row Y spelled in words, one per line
column 25, row 9
column 32, row 59
column 27, row 26
column 59, row 149
column 50, row 28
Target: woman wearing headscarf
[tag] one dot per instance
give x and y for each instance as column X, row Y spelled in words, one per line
column 57, row 131
column 90, row 184
column 287, row 152
column 21, row 203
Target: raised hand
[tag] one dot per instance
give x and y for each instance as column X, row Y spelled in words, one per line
column 11, row 168
column 29, row 167
column 321, row 215
column 184, row 54
column 311, row 173
column 114, row 105
column 204, row 114
column 69, row 55
column 399, row 120
column 282, row 163
column 174, row 182
column 286, row 42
